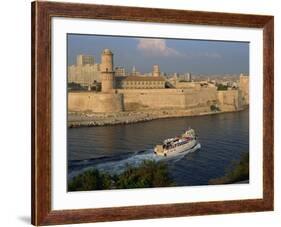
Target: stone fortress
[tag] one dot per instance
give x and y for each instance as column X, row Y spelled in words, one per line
column 121, row 92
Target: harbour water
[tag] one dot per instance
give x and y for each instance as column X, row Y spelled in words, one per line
column 223, row 137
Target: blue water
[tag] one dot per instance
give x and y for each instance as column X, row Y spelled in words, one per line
column 223, row 138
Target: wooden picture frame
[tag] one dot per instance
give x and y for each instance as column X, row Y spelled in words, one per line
column 42, row 13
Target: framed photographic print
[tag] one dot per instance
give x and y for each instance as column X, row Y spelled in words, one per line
column 142, row 113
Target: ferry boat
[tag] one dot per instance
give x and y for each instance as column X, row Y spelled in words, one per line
column 186, row 143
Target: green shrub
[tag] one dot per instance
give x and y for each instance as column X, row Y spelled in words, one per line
column 148, row 174
column 90, row 180
column 221, row 87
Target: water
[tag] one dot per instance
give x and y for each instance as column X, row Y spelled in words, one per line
column 223, row 138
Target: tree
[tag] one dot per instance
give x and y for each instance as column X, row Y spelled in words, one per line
column 221, row 87
column 148, row 174
column 90, row 180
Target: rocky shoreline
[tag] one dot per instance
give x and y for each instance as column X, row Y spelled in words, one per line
column 78, row 119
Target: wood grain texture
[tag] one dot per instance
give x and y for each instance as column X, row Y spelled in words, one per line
column 42, row 12
column 41, row 115
column 268, row 113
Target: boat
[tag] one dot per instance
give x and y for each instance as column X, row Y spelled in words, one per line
column 180, row 145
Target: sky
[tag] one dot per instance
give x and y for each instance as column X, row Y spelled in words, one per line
column 172, row 55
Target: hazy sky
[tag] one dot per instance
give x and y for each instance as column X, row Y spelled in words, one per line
column 173, row 55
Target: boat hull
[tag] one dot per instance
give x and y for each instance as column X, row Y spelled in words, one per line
column 181, row 150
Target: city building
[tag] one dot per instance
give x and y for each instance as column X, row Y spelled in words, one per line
column 120, row 71
column 85, row 59
column 187, row 77
column 135, row 72
column 140, row 82
column 84, row 72
column 184, row 77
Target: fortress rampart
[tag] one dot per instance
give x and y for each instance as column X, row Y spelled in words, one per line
column 199, row 101
column 244, row 86
column 230, row 100
column 167, row 99
column 95, row 102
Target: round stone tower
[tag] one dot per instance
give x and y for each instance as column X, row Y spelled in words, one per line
column 244, row 87
column 107, row 72
column 155, row 71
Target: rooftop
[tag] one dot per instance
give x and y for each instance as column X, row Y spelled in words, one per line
column 142, row 78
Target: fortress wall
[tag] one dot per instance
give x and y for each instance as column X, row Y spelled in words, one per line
column 152, row 99
column 168, row 98
column 230, row 100
column 95, row 102
column 205, row 97
column 191, row 85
